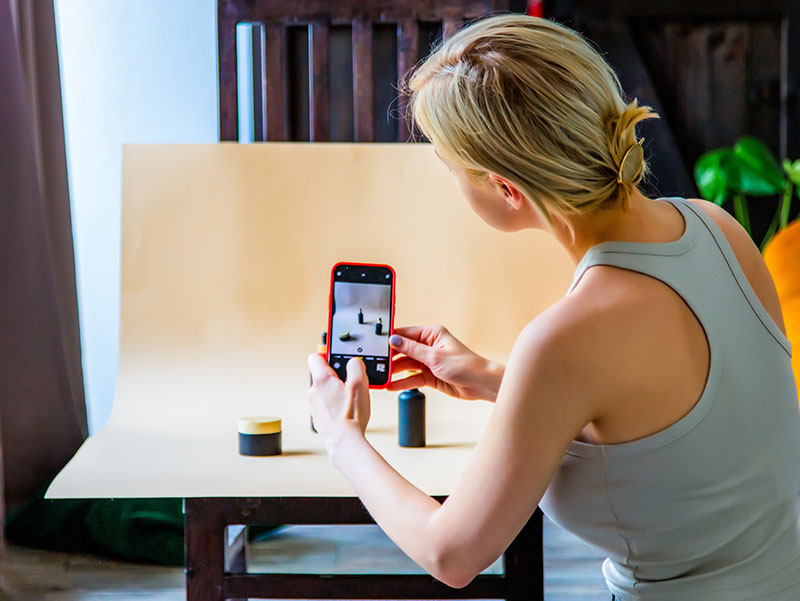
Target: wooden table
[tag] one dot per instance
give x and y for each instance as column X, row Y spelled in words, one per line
column 217, row 570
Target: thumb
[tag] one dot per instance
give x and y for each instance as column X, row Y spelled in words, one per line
column 357, row 385
column 411, row 348
column 356, row 372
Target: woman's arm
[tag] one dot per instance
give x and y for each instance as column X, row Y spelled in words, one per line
column 543, row 402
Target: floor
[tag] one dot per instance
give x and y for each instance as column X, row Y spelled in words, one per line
column 572, row 569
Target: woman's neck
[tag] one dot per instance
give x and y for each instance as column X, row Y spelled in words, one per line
column 644, row 220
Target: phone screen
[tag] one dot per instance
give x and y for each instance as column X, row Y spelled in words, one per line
column 362, row 302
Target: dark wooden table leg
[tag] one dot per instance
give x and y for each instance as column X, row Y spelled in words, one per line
column 524, row 562
column 205, row 551
column 214, row 568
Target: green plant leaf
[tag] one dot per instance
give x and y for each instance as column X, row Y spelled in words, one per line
column 792, row 170
column 760, row 174
column 712, row 175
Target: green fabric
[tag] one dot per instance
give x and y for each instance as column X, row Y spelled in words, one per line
column 140, row 530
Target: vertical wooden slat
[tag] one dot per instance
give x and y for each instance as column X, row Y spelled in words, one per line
column 363, row 90
column 694, row 88
column 319, row 82
column 790, row 83
column 259, row 83
column 764, row 76
column 451, row 25
column 277, row 125
column 728, row 61
column 226, row 56
column 340, row 44
column 407, row 56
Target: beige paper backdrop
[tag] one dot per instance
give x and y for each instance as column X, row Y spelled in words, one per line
column 226, row 256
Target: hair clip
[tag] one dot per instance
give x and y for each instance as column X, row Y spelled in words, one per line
column 638, row 145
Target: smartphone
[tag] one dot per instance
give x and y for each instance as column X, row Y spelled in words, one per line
column 361, row 319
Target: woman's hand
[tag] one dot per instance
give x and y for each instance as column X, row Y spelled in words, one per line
column 444, row 363
column 339, row 409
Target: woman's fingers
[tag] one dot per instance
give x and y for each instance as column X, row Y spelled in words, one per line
column 414, row 381
column 413, row 332
column 405, row 363
column 416, row 350
column 319, row 368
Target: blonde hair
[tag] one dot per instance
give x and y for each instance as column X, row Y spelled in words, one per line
column 531, row 101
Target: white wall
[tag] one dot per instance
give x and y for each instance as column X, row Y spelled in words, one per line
column 131, row 71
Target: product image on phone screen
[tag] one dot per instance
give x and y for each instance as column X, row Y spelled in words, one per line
column 360, row 322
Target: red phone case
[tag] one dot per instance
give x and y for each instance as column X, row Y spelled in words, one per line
column 391, row 319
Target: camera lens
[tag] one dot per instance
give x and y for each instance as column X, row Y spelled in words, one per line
column 363, row 275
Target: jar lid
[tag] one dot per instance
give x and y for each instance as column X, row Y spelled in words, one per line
column 259, row 425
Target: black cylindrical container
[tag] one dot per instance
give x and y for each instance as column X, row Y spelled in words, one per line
column 411, row 413
column 260, row 436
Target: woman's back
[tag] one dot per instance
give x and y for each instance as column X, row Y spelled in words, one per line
column 692, row 488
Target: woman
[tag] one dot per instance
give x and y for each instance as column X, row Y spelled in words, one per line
column 652, row 411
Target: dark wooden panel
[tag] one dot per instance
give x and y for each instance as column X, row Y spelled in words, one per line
column 304, row 11
column 293, row 90
column 407, row 56
column 298, row 92
column 384, row 81
column 686, row 9
column 728, row 46
column 341, row 82
column 259, row 83
column 363, row 92
column 366, row 586
column 227, row 17
column 693, row 89
column 290, row 510
column 319, row 90
column 718, row 80
column 764, row 83
column 276, row 79
column 790, row 91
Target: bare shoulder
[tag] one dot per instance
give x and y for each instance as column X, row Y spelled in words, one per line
column 582, row 343
column 748, row 256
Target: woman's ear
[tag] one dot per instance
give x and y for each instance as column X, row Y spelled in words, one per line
column 510, row 192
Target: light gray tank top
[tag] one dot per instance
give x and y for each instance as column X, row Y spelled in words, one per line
column 705, row 509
